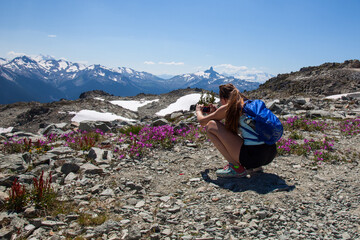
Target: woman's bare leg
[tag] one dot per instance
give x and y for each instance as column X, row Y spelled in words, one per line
column 228, row 143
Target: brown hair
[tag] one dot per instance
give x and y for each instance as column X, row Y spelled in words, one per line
column 235, row 101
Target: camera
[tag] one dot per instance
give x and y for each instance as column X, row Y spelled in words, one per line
column 206, row 109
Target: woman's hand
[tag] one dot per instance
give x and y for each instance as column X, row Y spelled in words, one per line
column 212, row 108
column 199, row 107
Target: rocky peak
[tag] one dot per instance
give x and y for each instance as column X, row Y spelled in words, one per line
column 323, row 80
column 213, row 74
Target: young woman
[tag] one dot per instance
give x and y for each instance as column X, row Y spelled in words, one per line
column 244, row 151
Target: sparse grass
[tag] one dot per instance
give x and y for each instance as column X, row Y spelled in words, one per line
column 88, row 220
column 61, row 207
column 295, row 135
column 131, row 129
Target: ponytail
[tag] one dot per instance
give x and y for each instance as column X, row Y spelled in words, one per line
column 235, row 101
column 233, row 113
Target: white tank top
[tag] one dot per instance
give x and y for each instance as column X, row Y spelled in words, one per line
column 247, row 132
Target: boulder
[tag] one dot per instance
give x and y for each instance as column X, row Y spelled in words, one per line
column 100, row 155
column 53, row 129
column 13, row 162
column 69, row 167
column 159, row 122
column 91, row 126
column 89, row 168
column 61, row 151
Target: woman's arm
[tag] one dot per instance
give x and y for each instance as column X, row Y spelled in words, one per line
column 219, row 114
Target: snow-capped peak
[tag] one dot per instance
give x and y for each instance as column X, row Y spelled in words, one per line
column 3, row 61
column 41, row 57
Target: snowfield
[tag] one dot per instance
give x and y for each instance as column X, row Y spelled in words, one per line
column 182, row 103
column 132, row 105
column 90, row 115
column 337, row 96
column 6, row 130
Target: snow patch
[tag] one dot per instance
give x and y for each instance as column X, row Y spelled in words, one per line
column 72, row 68
column 202, row 74
column 128, row 70
column 101, row 99
column 182, row 103
column 132, row 105
column 337, row 96
column 6, row 130
column 90, row 115
column 82, row 66
column 7, row 77
column 63, row 65
column 3, row 61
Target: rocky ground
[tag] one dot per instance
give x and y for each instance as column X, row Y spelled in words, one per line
column 174, row 193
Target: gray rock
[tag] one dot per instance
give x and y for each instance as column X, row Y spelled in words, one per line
column 166, row 232
column 27, row 157
column 70, row 178
column 13, row 162
column 140, row 204
column 174, row 209
column 89, row 168
column 159, row 122
column 301, row 101
column 67, row 168
column 93, row 125
column 6, row 232
column 108, row 192
column 100, row 155
column 52, row 224
column 134, row 233
column 107, row 226
column 61, row 151
column 345, row 235
column 175, row 115
column 322, row 113
column 276, row 108
column 133, row 186
column 261, row 214
column 96, row 189
column 52, row 129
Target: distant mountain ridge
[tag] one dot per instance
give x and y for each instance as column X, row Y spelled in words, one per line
column 45, row 79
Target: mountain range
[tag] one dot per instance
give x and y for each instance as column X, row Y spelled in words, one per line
column 45, row 79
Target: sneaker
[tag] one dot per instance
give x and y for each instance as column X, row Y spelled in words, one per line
column 252, row 171
column 231, row 171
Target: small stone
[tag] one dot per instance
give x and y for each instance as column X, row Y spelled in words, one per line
column 89, row 168
column 164, row 198
column 175, row 209
column 125, row 221
column 261, row 214
column 52, row 223
column 345, row 235
column 140, row 204
column 29, row 227
column 70, row 177
column 166, row 232
column 107, row 192
column 194, row 179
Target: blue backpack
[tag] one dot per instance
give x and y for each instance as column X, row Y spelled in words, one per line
column 267, row 125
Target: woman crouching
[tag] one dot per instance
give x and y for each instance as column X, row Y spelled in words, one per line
column 243, row 152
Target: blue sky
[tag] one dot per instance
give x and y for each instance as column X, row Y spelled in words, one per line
column 174, row 37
